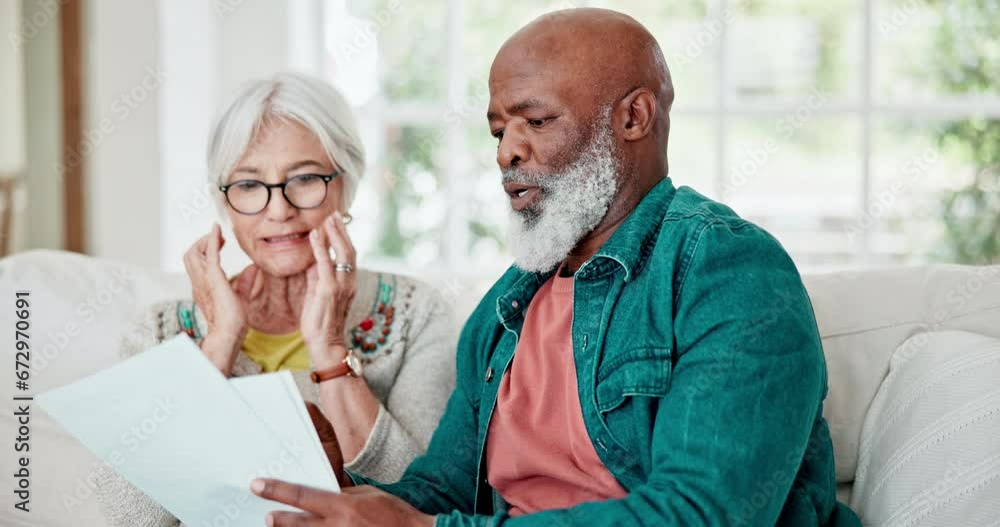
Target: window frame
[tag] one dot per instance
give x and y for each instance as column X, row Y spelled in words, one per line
column 381, row 115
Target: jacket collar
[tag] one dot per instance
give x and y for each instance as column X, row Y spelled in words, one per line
column 628, row 248
column 630, row 245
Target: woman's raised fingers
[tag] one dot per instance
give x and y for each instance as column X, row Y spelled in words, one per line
column 345, row 250
column 213, row 267
column 189, row 265
column 341, row 226
column 196, row 248
column 214, row 245
column 201, row 244
column 194, row 259
column 321, row 251
column 341, row 243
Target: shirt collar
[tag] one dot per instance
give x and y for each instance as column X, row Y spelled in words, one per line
column 523, row 287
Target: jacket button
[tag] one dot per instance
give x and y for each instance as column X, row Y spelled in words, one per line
column 489, row 374
column 514, row 304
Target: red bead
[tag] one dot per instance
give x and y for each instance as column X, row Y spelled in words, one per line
column 381, row 308
column 385, row 331
column 381, row 340
column 367, row 324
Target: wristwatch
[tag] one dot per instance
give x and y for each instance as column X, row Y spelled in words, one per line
column 351, row 366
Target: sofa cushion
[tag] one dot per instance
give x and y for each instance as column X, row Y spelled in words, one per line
column 863, row 316
column 79, row 307
column 929, row 452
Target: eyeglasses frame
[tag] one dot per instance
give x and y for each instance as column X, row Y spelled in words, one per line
column 326, row 190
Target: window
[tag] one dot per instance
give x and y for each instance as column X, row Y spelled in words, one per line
column 859, row 132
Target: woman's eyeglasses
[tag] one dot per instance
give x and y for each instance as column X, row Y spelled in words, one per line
column 304, row 191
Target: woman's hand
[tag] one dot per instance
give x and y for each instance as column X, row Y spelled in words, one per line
column 224, row 304
column 329, row 293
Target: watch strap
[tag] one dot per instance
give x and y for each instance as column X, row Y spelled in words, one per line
column 339, row 370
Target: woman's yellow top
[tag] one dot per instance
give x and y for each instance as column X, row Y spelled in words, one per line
column 277, row 352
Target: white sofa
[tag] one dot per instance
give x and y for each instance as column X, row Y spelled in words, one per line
column 79, row 305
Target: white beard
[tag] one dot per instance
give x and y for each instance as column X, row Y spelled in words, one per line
column 573, row 201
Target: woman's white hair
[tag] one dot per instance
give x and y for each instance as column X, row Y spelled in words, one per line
column 309, row 101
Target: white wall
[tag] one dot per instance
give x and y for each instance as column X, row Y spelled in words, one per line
column 120, row 148
column 189, row 49
column 155, row 75
column 254, row 41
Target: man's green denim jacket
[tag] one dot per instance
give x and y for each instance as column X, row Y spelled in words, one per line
column 701, row 378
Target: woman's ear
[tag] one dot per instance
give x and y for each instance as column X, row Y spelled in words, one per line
column 637, row 113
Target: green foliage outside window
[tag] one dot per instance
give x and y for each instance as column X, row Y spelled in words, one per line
column 966, row 60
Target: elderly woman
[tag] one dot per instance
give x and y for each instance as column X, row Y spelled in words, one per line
column 374, row 350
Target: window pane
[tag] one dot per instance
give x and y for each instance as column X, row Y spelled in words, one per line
column 487, row 206
column 692, row 153
column 800, row 178
column 400, row 206
column 398, row 47
column 487, row 26
column 688, row 35
column 935, row 191
column 924, row 49
column 681, row 28
column 787, row 49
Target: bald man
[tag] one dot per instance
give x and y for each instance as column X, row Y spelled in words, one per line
column 650, row 359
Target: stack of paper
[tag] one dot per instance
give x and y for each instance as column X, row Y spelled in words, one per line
column 192, row 440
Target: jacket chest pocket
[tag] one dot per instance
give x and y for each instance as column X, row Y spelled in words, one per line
column 638, row 372
column 630, row 388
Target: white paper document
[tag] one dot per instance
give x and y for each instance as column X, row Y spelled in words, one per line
column 172, row 425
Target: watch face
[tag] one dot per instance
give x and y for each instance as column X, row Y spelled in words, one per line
column 354, row 362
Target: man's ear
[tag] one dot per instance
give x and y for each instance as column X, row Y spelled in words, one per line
column 636, row 114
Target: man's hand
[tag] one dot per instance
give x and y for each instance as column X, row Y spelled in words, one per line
column 328, row 438
column 357, row 506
